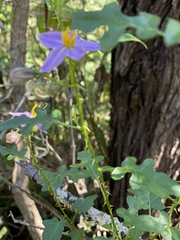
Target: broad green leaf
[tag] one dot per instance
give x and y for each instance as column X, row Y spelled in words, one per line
column 87, row 165
column 13, row 151
column 83, row 205
column 148, row 223
column 146, row 25
column 134, row 234
column 78, row 234
column 127, row 215
column 110, row 16
column 147, row 199
column 158, row 183
column 172, row 32
column 53, row 229
column 175, row 233
column 160, row 224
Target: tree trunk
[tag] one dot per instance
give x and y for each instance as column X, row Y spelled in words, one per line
column 145, row 114
column 17, row 59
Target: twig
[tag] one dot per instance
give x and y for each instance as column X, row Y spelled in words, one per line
column 68, row 199
column 23, row 222
column 42, row 204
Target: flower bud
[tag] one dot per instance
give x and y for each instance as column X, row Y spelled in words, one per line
column 21, row 75
column 12, row 137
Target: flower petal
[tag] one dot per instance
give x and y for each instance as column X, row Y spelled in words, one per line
column 55, row 58
column 76, row 53
column 18, row 114
column 88, row 45
column 51, row 39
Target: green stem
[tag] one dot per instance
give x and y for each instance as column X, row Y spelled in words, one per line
column 88, row 143
column 50, row 187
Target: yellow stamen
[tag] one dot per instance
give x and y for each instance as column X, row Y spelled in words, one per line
column 33, row 113
column 69, row 38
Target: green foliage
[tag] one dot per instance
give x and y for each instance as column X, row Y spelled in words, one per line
column 146, row 26
column 77, row 235
column 53, row 229
column 55, row 179
column 144, row 175
column 41, row 117
column 83, row 205
column 12, row 152
column 148, row 188
column 172, row 32
column 87, row 165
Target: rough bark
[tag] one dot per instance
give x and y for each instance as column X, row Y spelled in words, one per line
column 20, row 11
column 145, row 114
column 26, row 205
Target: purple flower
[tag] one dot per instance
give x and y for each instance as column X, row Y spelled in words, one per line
column 65, row 44
column 31, row 114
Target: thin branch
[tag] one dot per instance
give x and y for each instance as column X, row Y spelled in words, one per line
column 23, row 222
column 42, row 204
column 67, row 199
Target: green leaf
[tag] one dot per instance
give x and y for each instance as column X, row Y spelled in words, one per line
column 83, row 205
column 127, row 37
column 56, row 179
column 146, row 199
column 88, row 163
column 41, row 117
column 127, row 215
column 77, row 234
column 146, row 25
column 13, row 151
column 151, row 224
column 103, row 238
column 110, row 16
column 175, row 233
column 172, row 32
column 53, row 229
column 134, row 234
column 158, row 183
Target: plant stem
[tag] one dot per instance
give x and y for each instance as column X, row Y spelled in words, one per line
column 88, row 143
column 47, row 181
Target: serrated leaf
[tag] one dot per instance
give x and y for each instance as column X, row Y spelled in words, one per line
column 53, row 229
column 172, row 32
column 83, row 205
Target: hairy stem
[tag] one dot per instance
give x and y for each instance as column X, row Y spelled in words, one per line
column 88, row 143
